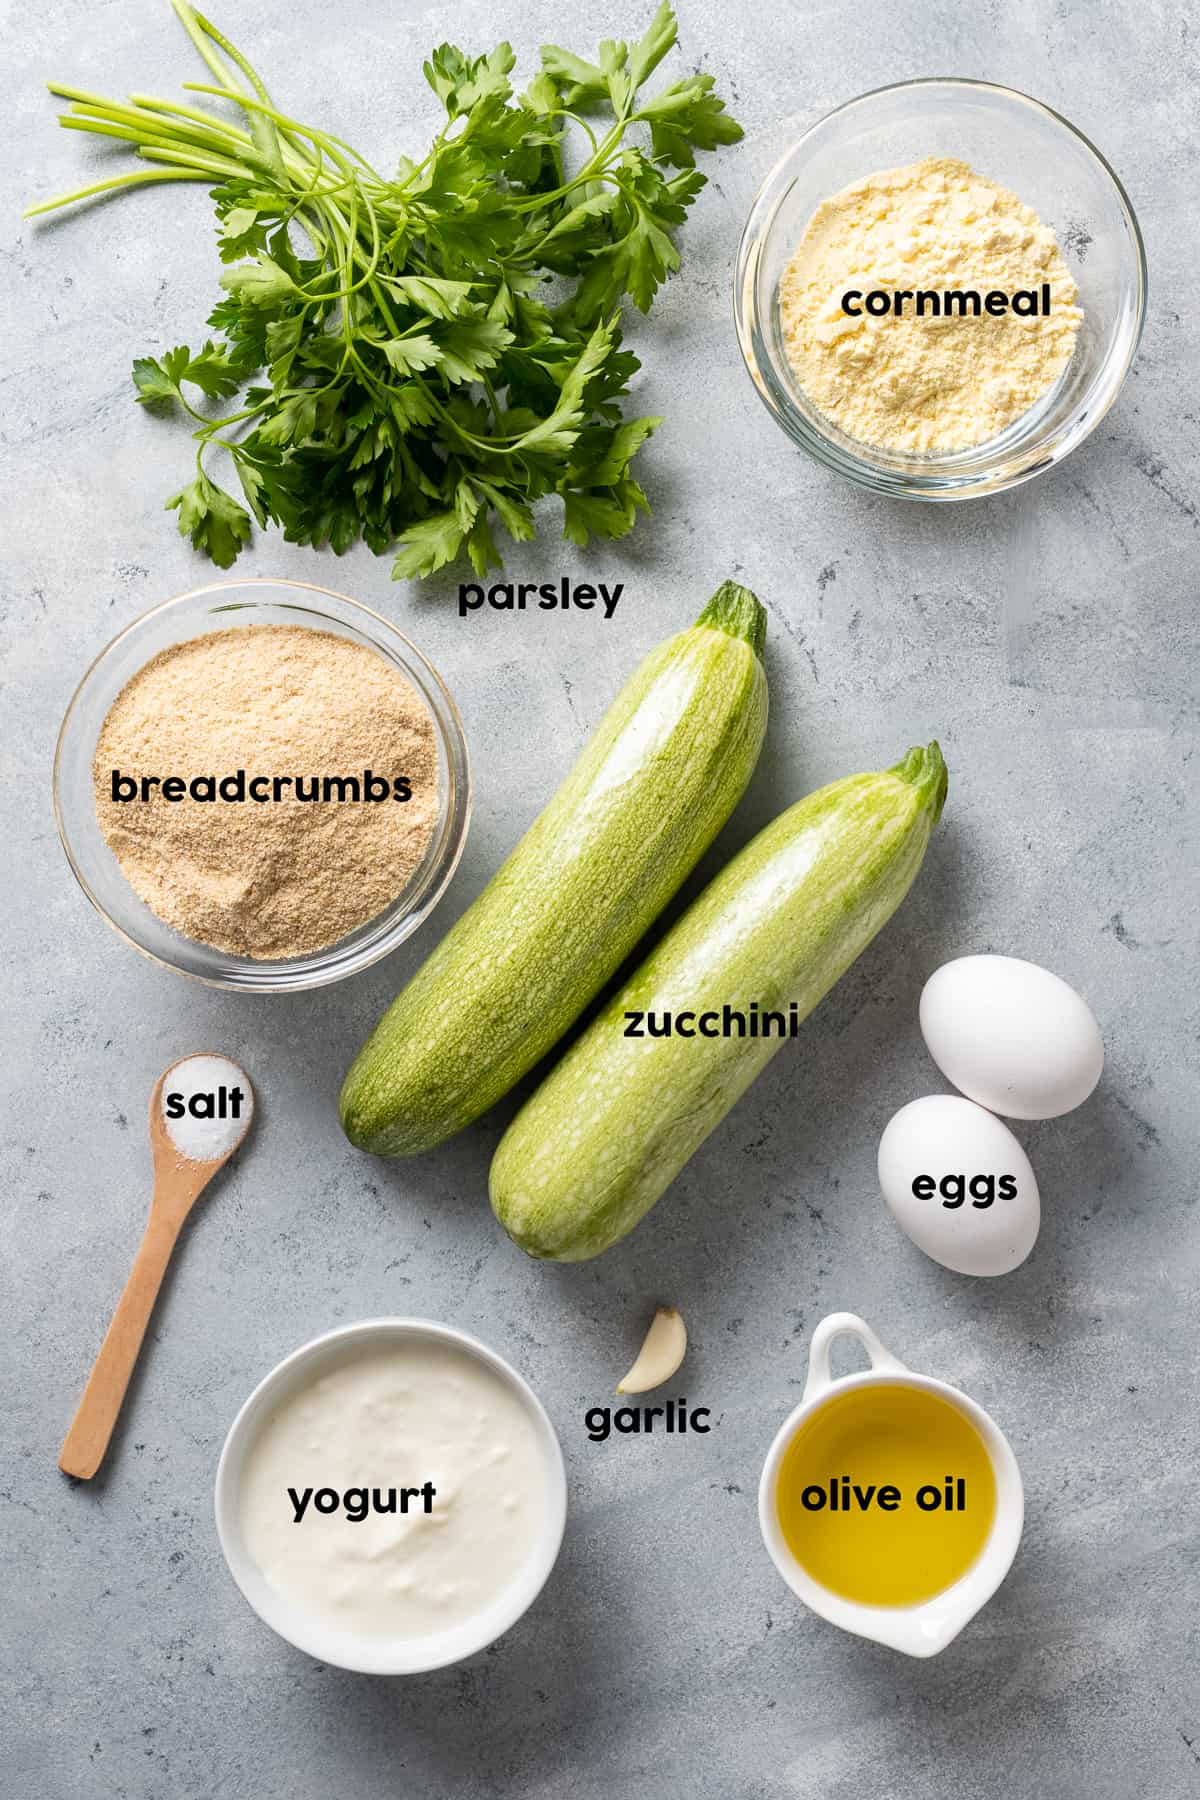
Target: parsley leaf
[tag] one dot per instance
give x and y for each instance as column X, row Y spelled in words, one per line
column 213, row 370
column 580, row 85
column 212, row 519
column 439, row 299
column 688, row 117
column 429, row 545
column 409, row 354
column 157, row 378
column 660, row 37
column 602, row 512
column 258, row 283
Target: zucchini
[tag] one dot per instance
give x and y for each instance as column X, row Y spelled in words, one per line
column 611, row 1127
column 654, row 785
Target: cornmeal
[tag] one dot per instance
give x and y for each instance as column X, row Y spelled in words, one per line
column 927, row 383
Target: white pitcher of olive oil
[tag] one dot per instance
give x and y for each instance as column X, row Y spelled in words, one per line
column 890, row 1503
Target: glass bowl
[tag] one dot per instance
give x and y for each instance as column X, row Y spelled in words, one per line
column 1018, row 143
column 214, row 608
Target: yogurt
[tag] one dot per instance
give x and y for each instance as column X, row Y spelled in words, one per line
column 398, row 1493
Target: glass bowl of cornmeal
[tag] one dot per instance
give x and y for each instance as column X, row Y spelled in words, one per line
column 940, row 289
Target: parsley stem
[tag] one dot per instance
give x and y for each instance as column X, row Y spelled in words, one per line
column 199, row 30
column 120, row 121
column 356, row 191
column 576, row 119
column 109, row 186
column 152, row 103
column 149, row 111
column 212, row 426
column 151, row 132
column 231, row 50
column 278, row 118
column 594, row 163
column 204, row 35
column 139, row 124
column 259, row 128
column 192, row 159
column 134, row 134
column 380, row 299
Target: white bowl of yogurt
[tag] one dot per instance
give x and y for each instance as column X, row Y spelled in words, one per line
column 391, row 1498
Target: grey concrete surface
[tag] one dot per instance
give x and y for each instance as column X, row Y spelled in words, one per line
column 1049, row 639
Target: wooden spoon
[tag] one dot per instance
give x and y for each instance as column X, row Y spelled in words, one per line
column 178, row 1183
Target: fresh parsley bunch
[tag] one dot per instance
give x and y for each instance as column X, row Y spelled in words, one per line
column 403, row 373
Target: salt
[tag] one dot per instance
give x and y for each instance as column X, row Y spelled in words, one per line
column 207, row 1139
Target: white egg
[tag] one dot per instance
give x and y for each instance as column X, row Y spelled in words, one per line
column 957, row 1182
column 1012, row 1036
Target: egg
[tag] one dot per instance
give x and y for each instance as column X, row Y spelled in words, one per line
column 957, row 1183
column 1011, row 1036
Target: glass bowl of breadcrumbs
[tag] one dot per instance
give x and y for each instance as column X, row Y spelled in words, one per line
column 305, row 912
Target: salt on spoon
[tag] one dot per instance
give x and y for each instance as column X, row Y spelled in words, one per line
column 188, row 1144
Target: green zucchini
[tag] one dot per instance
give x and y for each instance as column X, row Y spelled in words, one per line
column 654, row 785
column 612, row 1125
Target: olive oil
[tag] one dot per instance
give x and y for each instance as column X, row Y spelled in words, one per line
column 886, row 1495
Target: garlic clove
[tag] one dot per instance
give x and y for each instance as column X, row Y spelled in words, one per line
column 660, row 1355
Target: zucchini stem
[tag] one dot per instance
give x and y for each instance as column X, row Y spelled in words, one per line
column 736, row 611
column 925, row 770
